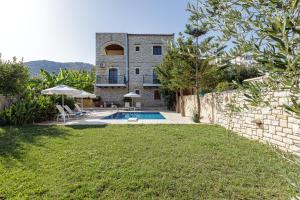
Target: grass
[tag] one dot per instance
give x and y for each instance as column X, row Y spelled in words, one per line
column 138, row 162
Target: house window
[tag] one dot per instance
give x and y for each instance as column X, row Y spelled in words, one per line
column 113, row 76
column 137, row 48
column 137, row 91
column 157, row 95
column 137, row 70
column 154, row 78
column 157, row 50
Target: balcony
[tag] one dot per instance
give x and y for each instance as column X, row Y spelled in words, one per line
column 110, row 81
column 150, row 81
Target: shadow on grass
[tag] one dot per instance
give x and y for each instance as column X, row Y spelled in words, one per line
column 11, row 138
column 82, row 127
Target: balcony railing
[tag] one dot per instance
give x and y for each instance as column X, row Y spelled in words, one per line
column 150, row 80
column 105, row 80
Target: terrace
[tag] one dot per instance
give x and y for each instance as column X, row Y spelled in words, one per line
column 110, row 81
column 150, row 81
column 96, row 117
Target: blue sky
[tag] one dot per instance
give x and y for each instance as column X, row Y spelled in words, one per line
column 64, row 30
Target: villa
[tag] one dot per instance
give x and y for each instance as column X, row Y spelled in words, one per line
column 125, row 63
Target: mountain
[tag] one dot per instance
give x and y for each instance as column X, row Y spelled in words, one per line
column 51, row 66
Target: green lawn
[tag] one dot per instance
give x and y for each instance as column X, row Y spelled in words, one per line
column 138, row 162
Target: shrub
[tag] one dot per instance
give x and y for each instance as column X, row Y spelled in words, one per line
column 5, row 117
column 27, row 111
column 45, row 108
column 13, row 77
column 195, row 117
column 169, row 98
column 223, row 86
column 22, row 112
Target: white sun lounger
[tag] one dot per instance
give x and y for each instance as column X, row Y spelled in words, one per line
column 71, row 113
column 62, row 113
column 138, row 106
column 80, row 110
column 127, row 106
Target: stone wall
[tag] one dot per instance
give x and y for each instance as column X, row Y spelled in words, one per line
column 271, row 125
column 112, row 95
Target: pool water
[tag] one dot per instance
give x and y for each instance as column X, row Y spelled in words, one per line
column 139, row 115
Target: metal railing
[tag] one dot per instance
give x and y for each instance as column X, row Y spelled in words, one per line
column 105, row 79
column 150, row 79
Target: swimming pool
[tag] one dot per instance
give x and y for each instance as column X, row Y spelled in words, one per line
column 139, row 115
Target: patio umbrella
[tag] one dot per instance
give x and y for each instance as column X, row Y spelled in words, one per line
column 61, row 90
column 132, row 95
column 83, row 95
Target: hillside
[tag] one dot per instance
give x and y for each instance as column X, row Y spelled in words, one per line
column 52, row 66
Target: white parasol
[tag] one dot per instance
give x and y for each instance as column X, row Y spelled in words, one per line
column 132, row 95
column 61, row 90
column 84, row 95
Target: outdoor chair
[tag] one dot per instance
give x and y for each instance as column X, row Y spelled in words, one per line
column 80, row 110
column 138, row 106
column 127, row 106
column 62, row 113
column 72, row 113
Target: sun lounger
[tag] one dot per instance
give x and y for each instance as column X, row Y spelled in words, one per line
column 138, row 106
column 80, row 110
column 71, row 112
column 127, row 106
column 62, row 114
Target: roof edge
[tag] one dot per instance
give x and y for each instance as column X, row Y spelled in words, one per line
column 139, row 34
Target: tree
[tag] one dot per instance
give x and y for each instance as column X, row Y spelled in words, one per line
column 267, row 29
column 13, row 77
column 175, row 71
column 271, row 31
column 204, row 53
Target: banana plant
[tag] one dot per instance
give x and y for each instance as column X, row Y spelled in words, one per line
column 79, row 79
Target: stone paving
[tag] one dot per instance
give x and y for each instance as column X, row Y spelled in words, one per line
column 95, row 117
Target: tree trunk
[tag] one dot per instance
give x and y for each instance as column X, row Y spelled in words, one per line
column 177, row 103
column 182, row 110
column 213, row 107
column 198, row 102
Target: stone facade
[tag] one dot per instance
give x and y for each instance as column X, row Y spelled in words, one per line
column 268, row 124
column 137, row 57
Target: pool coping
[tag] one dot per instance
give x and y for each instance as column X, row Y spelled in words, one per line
column 164, row 118
column 95, row 118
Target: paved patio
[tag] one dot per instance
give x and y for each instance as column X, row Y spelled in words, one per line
column 95, row 118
